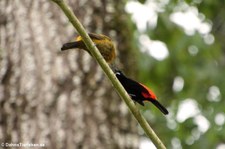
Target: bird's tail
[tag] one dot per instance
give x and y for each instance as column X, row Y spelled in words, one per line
column 71, row 45
column 160, row 107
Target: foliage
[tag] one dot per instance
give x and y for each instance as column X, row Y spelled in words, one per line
column 202, row 72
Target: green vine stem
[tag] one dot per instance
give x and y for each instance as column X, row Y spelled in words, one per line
column 119, row 88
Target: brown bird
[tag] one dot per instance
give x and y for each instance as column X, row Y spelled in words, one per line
column 103, row 43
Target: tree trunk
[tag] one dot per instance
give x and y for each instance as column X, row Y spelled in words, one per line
column 59, row 99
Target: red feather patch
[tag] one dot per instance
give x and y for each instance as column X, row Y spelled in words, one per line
column 149, row 93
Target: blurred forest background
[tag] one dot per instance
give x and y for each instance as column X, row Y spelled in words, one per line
column 188, row 76
column 64, row 100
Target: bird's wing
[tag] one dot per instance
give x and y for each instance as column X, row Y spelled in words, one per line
column 96, row 36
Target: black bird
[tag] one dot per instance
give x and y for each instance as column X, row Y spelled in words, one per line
column 139, row 92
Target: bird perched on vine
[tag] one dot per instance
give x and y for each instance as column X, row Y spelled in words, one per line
column 139, row 92
column 102, row 42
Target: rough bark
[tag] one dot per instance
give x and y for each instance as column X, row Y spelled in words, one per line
column 59, row 99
